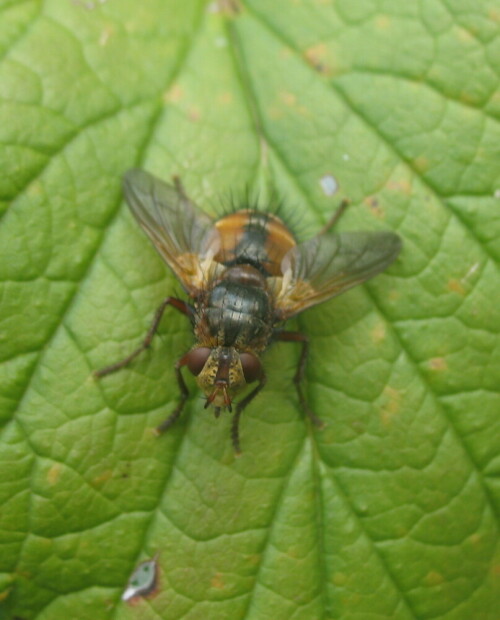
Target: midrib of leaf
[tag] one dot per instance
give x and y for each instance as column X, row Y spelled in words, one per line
column 393, row 325
column 67, row 310
column 254, row 109
column 245, row 80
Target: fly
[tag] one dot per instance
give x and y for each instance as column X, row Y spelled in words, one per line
column 245, row 275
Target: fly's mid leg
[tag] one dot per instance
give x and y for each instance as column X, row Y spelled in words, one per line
column 178, row 304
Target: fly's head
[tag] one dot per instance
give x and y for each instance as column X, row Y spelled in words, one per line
column 222, row 373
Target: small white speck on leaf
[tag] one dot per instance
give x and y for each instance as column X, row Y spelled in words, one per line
column 328, row 184
column 471, row 271
column 142, row 581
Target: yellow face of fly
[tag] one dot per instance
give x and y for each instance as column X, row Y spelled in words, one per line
column 222, row 378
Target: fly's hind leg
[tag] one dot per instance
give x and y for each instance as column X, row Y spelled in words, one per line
column 179, row 187
column 335, row 217
column 166, row 424
column 299, row 374
column 178, row 304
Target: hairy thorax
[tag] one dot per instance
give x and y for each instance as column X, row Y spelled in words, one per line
column 237, row 311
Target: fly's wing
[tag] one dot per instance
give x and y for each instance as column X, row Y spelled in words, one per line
column 184, row 235
column 329, row 264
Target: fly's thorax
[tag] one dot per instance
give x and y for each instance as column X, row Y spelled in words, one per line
column 239, row 315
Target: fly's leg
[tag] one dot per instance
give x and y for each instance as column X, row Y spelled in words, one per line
column 335, row 217
column 299, row 374
column 184, row 394
column 178, row 304
column 235, row 426
column 179, row 187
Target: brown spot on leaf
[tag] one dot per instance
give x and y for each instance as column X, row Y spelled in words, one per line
column 455, row 286
column 375, row 207
column 217, row 581
column 438, row 364
column 317, row 57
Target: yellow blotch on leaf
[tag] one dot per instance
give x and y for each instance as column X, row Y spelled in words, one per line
column 401, row 185
column 339, row 579
column 494, row 14
column 378, row 333
column 455, row 286
column 225, row 98
column 433, row 578
column 217, row 581
column 317, row 57
column 288, row 98
column 421, row 164
column 383, row 22
column 5, row 594
column 102, row 477
column 54, row 474
column 174, row 94
column 464, row 35
column 391, row 404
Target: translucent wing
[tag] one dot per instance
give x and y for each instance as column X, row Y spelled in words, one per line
column 184, row 235
column 329, row 264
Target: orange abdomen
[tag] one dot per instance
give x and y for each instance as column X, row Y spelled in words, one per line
column 255, row 238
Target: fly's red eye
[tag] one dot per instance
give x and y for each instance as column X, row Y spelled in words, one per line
column 250, row 364
column 196, row 359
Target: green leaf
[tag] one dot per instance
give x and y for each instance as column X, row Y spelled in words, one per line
column 391, row 511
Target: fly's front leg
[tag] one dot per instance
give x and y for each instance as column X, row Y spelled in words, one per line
column 235, row 426
column 178, row 304
column 299, row 374
column 184, row 395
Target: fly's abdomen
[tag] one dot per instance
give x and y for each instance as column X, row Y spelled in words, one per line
column 254, row 238
column 238, row 315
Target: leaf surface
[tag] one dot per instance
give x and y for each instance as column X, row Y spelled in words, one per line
column 391, row 511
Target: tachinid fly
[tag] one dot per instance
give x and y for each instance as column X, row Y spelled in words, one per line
column 245, row 276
